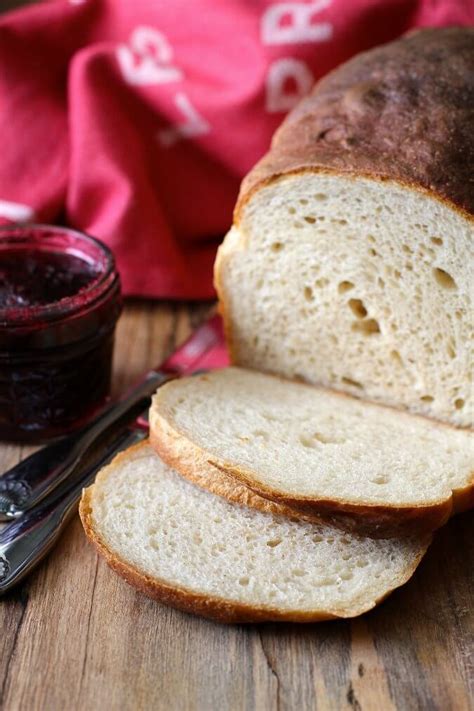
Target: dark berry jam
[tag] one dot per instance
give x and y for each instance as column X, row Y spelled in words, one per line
column 59, row 303
column 34, row 277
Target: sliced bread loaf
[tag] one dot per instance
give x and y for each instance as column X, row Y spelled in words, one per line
column 373, row 468
column 199, row 553
column 350, row 260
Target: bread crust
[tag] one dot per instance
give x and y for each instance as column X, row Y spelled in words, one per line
column 192, row 463
column 402, row 111
column 374, row 520
column 211, row 607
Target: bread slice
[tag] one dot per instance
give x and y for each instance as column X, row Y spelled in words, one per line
column 199, row 553
column 373, row 468
column 349, row 264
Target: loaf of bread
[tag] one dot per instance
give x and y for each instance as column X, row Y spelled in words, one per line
column 195, row 551
column 349, row 266
column 371, row 468
column 350, row 262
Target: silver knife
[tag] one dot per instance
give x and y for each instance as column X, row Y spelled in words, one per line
column 27, row 483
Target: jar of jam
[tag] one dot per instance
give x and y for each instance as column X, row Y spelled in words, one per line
column 59, row 303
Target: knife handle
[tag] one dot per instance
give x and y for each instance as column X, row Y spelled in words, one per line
column 27, row 483
column 25, row 542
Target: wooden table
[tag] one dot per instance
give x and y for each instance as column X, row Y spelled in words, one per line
column 75, row 636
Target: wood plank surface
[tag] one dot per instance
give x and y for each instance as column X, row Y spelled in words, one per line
column 75, row 636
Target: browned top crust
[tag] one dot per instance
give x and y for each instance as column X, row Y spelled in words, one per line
column 403, row 111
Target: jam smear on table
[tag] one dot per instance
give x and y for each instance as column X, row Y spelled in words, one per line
column 36, row 277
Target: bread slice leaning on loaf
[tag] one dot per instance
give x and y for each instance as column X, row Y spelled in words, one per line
column 374, row 469
column 195, row 551
column 350, row 261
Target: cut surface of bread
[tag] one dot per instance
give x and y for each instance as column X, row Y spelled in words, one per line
column 356, row 284
column 316, row 450
column 200, row 553
column 350, row 263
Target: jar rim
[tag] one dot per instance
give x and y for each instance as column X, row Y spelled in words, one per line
column 68, row 305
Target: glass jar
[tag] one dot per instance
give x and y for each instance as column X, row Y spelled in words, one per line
column 59, row 304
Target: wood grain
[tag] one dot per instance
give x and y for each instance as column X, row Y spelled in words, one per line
column 75, row 636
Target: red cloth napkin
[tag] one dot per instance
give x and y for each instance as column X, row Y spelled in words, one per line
column 136, row 120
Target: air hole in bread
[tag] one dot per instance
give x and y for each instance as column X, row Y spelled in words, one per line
column 274, row 542
column 343, row 222
column 308, row 441
column 308, row 293
column 244, row 581
column 370, row 326
column 345, row 286
column 459, row 403
column 317, row 538
column 292, row 211
column 309, row 219
column 298, row 225
column 395, row 355
column 357, row 307
column 407, row 249
column 437, row 240
column 298, row 572
column 354, row 383
column 320, row 197
column 321, row 282
column 427, row 398
column 327, row 439
column 444, row 279
column 380, row 479
column 371, row 238
column 303, row 201
column 450, row 350
column 277, row 246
